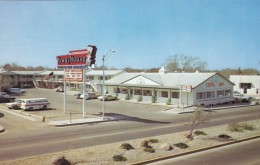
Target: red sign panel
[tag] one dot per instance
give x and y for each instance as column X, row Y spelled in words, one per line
column 74, row 58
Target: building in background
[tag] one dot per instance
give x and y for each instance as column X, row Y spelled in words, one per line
column 53, row 79
column 247, row 84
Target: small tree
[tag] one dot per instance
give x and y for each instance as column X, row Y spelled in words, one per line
column 199, row 116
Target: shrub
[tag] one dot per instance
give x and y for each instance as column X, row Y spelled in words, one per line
column 151, row 150
column 153, row 140
column 224, row 136
column 60, row 160
column 199, row 133
column 169, row 102
column 127, row 146
column 234, row 127
column 247, row 126
column 153, row 99
column 181, row 145
column 127, row 97
column 140, row 98
column 119, row 158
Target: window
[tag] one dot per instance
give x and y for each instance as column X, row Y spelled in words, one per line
column 147, row 93
column 123, row 90
column 245, row 85
column 137, row 92
column 210, row 94
column 220, row 93
column 200, row 95
column 90, row 77
column 227, row 92
column 175, row 95
column 116, row 90
column 164, row 94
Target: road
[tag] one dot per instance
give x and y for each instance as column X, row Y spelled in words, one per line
column 40, row 139
column 238, row 154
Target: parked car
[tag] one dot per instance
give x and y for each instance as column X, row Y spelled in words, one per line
column 241, row 97
column 27, row 86
column 107, row 97
column 18, row 91
column 4, row 97
column 89, row 95
column 14, row 105
column 59, row 89
column 78, row 94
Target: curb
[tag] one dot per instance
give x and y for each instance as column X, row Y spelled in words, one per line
column 194, row 151
column 79, row 122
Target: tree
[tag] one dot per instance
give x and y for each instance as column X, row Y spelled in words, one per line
column 198, row 117
column 185, row 63
column 5, row 81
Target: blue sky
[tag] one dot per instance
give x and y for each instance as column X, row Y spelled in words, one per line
column 144, row 33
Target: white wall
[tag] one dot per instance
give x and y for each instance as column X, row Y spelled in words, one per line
column 254, row 80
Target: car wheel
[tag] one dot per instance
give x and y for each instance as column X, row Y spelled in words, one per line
column 44, row 107
column 15, row 107
column 30, row 109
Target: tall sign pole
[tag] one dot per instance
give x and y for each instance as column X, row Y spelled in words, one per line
column 77, row 59
column 65, row 94
column 84, row 92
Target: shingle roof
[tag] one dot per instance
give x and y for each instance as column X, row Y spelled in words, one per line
column 27, row 72
column 100, row 72
column 88, row 73
column 165, row 80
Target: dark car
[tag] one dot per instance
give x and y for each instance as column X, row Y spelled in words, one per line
column 4, row 97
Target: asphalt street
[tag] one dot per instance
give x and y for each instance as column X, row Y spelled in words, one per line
column 25, row 138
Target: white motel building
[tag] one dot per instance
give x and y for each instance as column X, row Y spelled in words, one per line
column 182, row 89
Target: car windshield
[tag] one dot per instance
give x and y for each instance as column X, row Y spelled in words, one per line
column 18, row 101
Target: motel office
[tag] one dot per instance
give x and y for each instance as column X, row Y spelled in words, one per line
column 203, row 88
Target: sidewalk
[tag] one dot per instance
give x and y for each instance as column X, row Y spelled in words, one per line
column 177, row 110
column 86, row 120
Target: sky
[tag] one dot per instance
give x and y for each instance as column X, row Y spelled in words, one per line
column 143, row 33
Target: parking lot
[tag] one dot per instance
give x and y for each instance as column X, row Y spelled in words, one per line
column 93, row 108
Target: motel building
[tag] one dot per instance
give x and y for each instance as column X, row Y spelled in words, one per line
column 42, row 79
column 181, row 89
column 93, row 77
column 247, row 84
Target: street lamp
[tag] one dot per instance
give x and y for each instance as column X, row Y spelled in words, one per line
column 103, row 84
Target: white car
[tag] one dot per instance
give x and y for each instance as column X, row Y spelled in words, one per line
column 59, row 89
column 107, row 97
column 90, row 95
column 14, row 105
column 242, row 98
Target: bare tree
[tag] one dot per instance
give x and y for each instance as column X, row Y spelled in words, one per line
column 184, row 63
column 198, row 117
column 4, row 81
